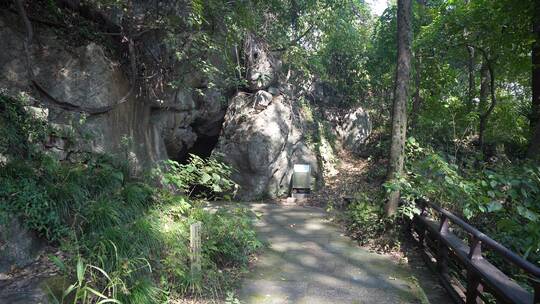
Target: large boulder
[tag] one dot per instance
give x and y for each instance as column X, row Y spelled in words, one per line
column 354, row 129
column 262, row 143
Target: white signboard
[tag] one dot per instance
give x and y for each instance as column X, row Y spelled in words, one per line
column 302, row 168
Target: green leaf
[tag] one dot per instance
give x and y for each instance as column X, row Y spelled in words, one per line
column 80, row 271
column 494, row 206
column 119, row 176
column 58, row 262
column 513, row 194
column 102, row 272
column 467, row 213
column 528, row 214
column 205, row 178
column 216, row 188
column 97, row 293
column 69, row 290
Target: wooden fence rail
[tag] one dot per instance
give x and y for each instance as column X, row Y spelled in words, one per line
column 453, row 259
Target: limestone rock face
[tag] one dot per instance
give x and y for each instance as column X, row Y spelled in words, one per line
column 83, row 88
column 79, row 79
column 22, row 267
column 86, row 79
column 18, row 246
column 354, row 129
column 212, row 105
column 262, row 65
column 80, row 88
column 262, row 144
column 262, row 98
column 351, row 126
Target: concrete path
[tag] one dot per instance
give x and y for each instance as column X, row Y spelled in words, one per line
column 310, row 261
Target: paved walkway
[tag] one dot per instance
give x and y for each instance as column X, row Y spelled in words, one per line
column 310, row 261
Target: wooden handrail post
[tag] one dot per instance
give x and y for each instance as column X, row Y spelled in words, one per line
column 422, row 236
column 536, row 286
column 480, row 272
column 442, row 260
column 443, row 227
column 416, row 221
column 474, row 286
column 475, row 251
column 423, row 209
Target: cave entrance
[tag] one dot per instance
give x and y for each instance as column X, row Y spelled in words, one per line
column 203, row 147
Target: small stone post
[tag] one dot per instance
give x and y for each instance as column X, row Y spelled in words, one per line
column 195, row 248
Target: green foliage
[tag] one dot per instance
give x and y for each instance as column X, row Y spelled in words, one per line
column 208, row 173
column 491, row 186
column 381, row 56
column 365, row 215
column 230, row 240
column 125, row 226
column 343, row 53
column 130, row 237
column 20, row 132
column 85, row 288
column 47, row 193
column 502, row 199
column 367, row 223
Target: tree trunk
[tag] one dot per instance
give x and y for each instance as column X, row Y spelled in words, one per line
column 484, row 91
column 472, row 85
column 534, row 144
column 487, row 71
column 399, row 115
column 294, row 18
column 417, row 99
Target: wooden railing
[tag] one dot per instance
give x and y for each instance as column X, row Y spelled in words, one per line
column 452, row 259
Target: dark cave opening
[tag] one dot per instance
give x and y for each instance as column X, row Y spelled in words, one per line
column 200, row 138
column 203, row 147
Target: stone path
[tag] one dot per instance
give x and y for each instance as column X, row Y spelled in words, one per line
column 309, row 261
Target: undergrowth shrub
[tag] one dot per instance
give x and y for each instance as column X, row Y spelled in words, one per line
column 365, row 215
column 502, row 199
column 19, row 130
column 367, row 223
column 129, row 235
column 209, row 174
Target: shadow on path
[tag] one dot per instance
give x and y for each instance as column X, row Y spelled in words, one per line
column 309, row 260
